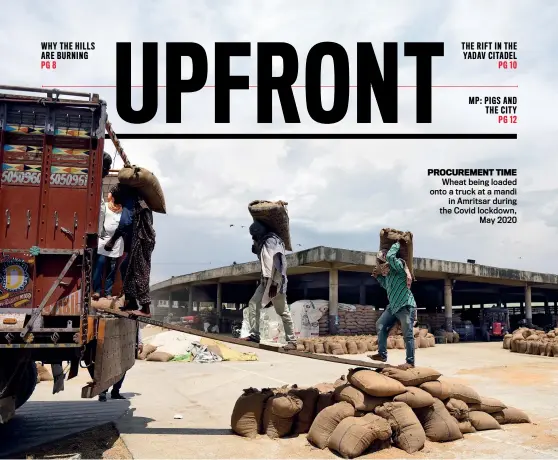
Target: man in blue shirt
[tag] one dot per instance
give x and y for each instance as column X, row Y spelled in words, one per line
column 392, row 274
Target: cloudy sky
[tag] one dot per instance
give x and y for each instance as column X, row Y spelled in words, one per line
column 340, row 192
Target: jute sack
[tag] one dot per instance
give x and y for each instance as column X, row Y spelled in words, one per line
column 464, row 393
column 357, row 398
column 511, row 415
column 449, row 337
column 507, row 341
column 390, row 343
column 455, row 337
column 111, row 304
column 488, row 405
column 354, row 435
column 412, row 377
column 147, row 184
column 466, row 427
column 374, row 383
column 408, row 433
column 389, row 236
column 275, row 216
column 147, row 350
column 423, row 342
column 159, row 356
column 549, row 350
column 309, row 397
column 325, row 396
column 438, row 424
column 43, row 374
column 431, row 341
column 399, row 343
column 335, row 348
column 246, row 416
column 521, row 346
column 458, row 409
column 440, row 390
column 279, row 413
column 319, row 348
column 483, row 421
column 555, row 349
column 362, row 346
column 352, row 347
column 340, row 381
column 415, row 398
column 422, row 332
column 326, row 421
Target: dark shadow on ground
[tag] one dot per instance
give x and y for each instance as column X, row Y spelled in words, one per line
column 39, row 422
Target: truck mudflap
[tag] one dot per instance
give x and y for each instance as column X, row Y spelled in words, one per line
column 115, row 353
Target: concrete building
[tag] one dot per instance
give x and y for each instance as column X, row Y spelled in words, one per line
column 341, row 275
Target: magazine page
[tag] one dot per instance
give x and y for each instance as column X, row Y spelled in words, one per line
column 278, row 229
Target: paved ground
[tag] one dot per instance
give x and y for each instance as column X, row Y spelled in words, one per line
column 204, row 394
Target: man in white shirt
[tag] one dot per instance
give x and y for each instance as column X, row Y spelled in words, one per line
column 270, row 250
column 111, row 220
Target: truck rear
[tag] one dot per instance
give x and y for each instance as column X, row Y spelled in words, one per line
column 51, row 152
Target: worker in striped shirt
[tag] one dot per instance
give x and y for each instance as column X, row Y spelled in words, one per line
column 393, row 275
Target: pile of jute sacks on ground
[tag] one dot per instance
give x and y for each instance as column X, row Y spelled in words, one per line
column 354, row 345
column 370, row 410
column 532, row 342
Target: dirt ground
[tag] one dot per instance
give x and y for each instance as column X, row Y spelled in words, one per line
column 101, row 442
column 182, row 410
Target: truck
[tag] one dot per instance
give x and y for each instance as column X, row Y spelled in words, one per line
column 51, row 152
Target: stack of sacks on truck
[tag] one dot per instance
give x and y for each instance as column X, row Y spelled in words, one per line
column 532, row 342
column 354, row 345
column 371, row 410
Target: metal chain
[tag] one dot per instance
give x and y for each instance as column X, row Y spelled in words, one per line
column 85, row 298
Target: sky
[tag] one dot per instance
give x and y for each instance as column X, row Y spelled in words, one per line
column 340, row 192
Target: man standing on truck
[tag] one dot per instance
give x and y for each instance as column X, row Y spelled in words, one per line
column 392, row 274
column 270, row 250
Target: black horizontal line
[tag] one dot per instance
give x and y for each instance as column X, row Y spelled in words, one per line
column 357, row 136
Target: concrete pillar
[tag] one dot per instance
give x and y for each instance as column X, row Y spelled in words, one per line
column 528, row 309
column 362, row 294
column 448, row 304
column 333, row 301
column 219, row 300
column 190, row 300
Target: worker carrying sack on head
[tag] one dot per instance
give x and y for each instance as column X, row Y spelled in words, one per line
column 393, row 275
column 270, row 250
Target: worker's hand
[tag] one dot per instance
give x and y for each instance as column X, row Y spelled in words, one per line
column 140, row 349
column 375, row 271
column 109, row 246
column 272, row 291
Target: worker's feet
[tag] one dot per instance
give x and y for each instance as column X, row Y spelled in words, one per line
column 116, row 395
column 103, row 397
column 406, row 366
column 251, row 338
column 290, row 347
column 378, row 357
column 139, row 313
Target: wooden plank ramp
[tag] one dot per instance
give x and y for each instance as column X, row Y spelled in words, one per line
column 243, row 343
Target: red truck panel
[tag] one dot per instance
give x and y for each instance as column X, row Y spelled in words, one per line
column 50, row 191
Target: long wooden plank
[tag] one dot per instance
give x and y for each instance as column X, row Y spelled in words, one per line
column 243, row 343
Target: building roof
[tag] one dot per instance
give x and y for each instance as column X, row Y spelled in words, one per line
column 321, row 258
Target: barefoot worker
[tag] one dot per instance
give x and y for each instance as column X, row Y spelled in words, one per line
column 392, row 274
column 270, row 250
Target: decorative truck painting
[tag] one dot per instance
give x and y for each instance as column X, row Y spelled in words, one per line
column 51, row 152
column 16, row 286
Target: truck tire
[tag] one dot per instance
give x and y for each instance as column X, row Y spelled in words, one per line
column 27, row 384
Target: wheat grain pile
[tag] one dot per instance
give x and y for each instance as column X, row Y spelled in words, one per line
column 532, row 342
column 357, row 344
column 369, row 410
